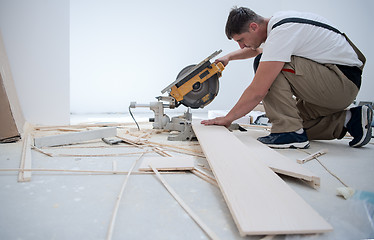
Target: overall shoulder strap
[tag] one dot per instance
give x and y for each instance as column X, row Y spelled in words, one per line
column 306, row 21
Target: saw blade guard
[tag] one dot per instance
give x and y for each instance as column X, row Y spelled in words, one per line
column 199, row 93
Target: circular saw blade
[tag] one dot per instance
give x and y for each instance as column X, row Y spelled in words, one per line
column 203, row 93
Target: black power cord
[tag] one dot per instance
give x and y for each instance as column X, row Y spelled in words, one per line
column 134, row 118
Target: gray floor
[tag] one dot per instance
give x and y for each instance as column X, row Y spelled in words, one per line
column 79, row 206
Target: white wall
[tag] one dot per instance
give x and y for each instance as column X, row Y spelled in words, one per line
column 36, row 37
column 124, row 51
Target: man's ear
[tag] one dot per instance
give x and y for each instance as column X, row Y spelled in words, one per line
column 253, row 26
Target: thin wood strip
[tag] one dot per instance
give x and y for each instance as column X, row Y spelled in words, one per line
column 187, row 153
column 41, row 151
column 204, row 177
column 26, row 158
column 115, row 210
column 260, row 202
column 168, row 163
column 87, row 125
column 129, row 142
column 332, row 174
column 98, row 155
column 75, row 147
column 160, row 152
column 311, row 156
column 72, row 171
column 192, row 214
column 205, row 174
column 172, row 146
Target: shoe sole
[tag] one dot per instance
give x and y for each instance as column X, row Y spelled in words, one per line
column 301, row 145
column 366, row 119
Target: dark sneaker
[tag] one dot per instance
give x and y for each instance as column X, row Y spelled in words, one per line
column 286, row 140
column 359, row 126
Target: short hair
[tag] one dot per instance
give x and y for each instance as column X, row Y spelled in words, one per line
column 238, row 20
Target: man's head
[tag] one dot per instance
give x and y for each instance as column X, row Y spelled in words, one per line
column 245, row 27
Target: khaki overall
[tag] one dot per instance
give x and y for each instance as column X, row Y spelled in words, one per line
column 312, row 96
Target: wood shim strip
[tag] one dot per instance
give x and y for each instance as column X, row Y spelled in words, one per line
column 168, row 163
column 53, row 128
column 260, row 202
column 78, row 171
column 312, row 156
column 278, row 162
column 192, row 214
column 70, row 138
column 26, row 158
column 204, row 176
column 97, row 155
column 118, row 201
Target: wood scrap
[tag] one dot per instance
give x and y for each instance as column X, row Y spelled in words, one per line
column 119, row 197
column 129, row 141
column 192, row 214
column 41, row 151
column 160, row 152
column 312, row 156
column 91, row 125
column 79, row 171
column 26, row 158
column 168, row 163
column 278, row 162
column 70, row 138
column 204, row 176
column 98, row 155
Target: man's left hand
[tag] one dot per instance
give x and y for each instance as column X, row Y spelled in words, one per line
column 221, row 121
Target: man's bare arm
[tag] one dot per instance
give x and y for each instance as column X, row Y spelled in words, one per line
column 253, row 94
column 244, row 53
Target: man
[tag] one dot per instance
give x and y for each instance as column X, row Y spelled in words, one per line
column 307, row 73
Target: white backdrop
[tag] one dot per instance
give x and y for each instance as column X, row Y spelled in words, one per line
column 123, row 51
column 36, row 38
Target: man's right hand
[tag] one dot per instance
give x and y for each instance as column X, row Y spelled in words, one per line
column 224, row 60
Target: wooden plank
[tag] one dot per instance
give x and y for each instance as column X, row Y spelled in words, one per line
column 168, row 163
column 76, row 137
column 260, row 202
column 277, row 162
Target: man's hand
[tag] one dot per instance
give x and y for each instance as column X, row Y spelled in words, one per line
column 221, row 121
column 224, row 60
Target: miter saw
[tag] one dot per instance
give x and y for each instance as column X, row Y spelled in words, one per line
column 195, row 87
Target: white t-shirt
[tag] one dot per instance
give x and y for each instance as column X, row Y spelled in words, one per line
column 305, row 40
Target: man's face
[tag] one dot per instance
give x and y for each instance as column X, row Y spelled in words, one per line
column 249, row 39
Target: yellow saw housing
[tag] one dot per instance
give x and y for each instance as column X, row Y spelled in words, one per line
column 179, row 92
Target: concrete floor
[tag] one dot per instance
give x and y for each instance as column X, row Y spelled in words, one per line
column 79, row 206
